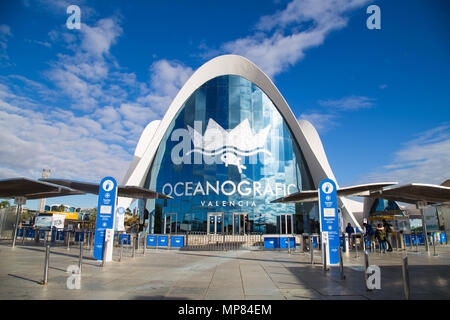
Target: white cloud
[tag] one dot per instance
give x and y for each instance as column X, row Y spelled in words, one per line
column 5, row 35
column 326, row 119
column 348, row 103
column 321, row 121
column 167, row 78
column 425, row 159
column 303, row 24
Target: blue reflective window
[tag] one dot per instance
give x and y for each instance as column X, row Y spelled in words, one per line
column 258, row 162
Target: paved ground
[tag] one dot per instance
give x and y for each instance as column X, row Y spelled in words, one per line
column 255, row 275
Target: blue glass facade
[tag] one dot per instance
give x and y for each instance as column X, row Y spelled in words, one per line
column 228, row 153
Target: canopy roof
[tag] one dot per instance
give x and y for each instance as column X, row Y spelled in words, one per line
column 409, row 193
column 49, row 188
column 312, row 195
column 123, row 191
column 32, row 189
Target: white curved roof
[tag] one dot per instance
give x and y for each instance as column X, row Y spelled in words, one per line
column 304, row 133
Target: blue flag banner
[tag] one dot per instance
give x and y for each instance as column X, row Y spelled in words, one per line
column 329, row 219
column 107, row 195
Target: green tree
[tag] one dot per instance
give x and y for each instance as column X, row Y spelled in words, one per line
column 61, row 208
column 5, row 204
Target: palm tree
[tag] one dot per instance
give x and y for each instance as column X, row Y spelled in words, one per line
column 5, row 204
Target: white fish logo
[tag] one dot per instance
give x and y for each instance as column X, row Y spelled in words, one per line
column 233, row 145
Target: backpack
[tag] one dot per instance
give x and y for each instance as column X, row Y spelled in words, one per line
column 381, row 234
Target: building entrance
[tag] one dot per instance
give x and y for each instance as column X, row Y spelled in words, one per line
column 240, row 223
column 285, row 223
column 215, row 223
column 170, row 223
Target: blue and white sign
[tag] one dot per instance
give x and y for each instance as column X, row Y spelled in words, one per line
column 107, row 195
column 329, row 219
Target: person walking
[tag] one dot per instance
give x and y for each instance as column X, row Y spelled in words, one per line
column 349, row 230
column 388, row 230
column 369, row 234
column 380, row 235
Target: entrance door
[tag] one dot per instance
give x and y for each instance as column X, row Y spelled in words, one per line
column 285, row 223
column 240, row 223
column 215, row 223
column 170, row 223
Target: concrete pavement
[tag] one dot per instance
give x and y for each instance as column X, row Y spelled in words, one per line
column 217, row 275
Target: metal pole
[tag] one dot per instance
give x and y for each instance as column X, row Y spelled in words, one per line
column 311, row 249
column 47, row 257
column 121, row 250
column 23, row 236
column 302, row 243
column 289, row 244
column 324, row 256
column 133, row 243
column 356, row 247
column 405, row 274
column 425, row 232
column 341, row 264
column 18, row 211
column 104, row 251
column 366, row 266
column 80, row 260
column 434, row 246
column 68, row 240
column 144, row 244
column 417, row 242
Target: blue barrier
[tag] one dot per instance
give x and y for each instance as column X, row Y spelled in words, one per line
column 125, row 238
column 177, row 241
column 408, row 239
column 443, row 237
column 151, row 240
column 271, row 242
column 79, row 236
column 284, row 242
column 20, row 232
column 315, row 242
column 163, row 241
column 30, row 233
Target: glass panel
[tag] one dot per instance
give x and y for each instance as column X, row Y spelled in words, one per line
column 289, row 223
column 258, row 162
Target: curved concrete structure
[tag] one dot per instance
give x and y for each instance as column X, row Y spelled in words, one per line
column 304, row 132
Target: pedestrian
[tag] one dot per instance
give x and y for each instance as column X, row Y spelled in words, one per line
column 369, row 234
column 380, row 235
column 349, row 230
column 388, row 229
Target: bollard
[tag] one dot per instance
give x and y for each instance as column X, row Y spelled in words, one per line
column 341, row 264
column 47, row 258
column 121, row 250
column 324, row 256
column 434, row 245
column 366, row 266
column 311, row 249
column 104, row 252
column 405, row 274
column 80, row 260
column 417, row 242
column 68, row 240
column 144, row 244
column 289, row 245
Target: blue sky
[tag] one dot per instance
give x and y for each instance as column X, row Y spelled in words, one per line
column 77, row 100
